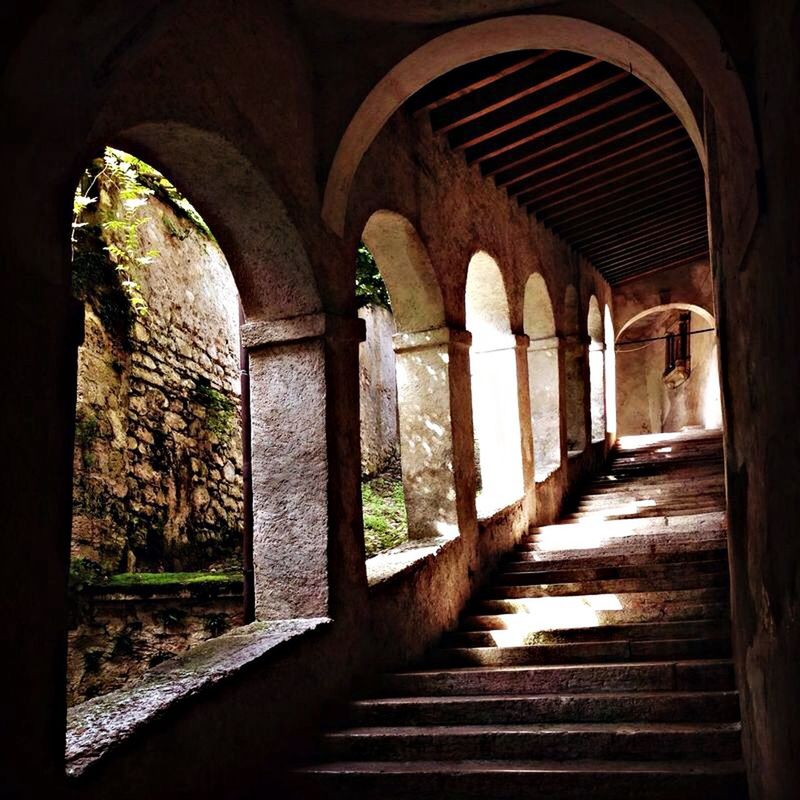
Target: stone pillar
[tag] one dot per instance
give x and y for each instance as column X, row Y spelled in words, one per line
column 426, row 439
column 289, row 402
column 575, row 376
column 544, row 370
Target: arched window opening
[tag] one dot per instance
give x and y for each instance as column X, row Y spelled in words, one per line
column 573, row 375
column 611, row 373
column 408, row 488
column 654, row 398
column 495, row 401
column 543, row 377
column 597, row 389
column 158, row 491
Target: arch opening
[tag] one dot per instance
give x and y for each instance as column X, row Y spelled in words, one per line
column 413, row 394
column 158, row 491
column 543, row 377
column 495, row 399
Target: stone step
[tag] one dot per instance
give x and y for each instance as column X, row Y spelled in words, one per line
column 654, row 676
column 573, row 611
column 600, row 541
column 513, row 780
column 644, row 741
column 583, row 652
column 642, row 498
column 529, row 574
column 655, row 511
column 503, row 710
column 526, row 560
column 514, row 631
column 612, row 586
column 696, row 524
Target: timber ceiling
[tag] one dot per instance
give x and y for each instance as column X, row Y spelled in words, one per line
column 585, row 147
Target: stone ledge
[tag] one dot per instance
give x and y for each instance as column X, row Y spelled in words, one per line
column 406, row 558
column 99, row 725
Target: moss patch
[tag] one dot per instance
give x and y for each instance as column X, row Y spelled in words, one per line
column 383, row 501
column 171, row 578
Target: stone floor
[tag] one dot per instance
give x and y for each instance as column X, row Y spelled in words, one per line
column 596, row 664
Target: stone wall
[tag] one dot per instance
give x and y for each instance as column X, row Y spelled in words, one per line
column 158, row 460
column 377, row 391
column 117, row 633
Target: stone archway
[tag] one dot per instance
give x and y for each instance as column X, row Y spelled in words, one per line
column 543, row 376
column 597, row 384
column 422, row 356
column 493, row 366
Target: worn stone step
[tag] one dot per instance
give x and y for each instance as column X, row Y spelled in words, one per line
column 501, row 709
column 513, row 780
column 510, row 589
column 654, row 676
column 529, row 574
column 583, row 652
column 641, row 511
column 698, row 525
column 513, row 631
column 526, row 560
column 559, row 741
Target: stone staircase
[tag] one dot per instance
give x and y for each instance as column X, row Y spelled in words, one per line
column 596, row 664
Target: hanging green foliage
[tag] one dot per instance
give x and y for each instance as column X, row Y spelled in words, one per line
column 370, row 288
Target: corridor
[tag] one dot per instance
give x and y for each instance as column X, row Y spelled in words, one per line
column 595, row 663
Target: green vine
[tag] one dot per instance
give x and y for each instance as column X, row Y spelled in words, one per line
column 370, row 287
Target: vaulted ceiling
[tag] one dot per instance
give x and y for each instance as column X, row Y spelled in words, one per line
column 585, row 147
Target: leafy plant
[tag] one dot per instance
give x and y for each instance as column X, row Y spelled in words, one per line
column 370, row 287
column 385, row 523
column 216, row 624
column 83, row 572
column 120, row 173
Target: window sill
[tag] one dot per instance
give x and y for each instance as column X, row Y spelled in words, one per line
column 406, row 558
column 99, row 725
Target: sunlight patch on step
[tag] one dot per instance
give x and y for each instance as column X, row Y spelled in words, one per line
column 541, row 620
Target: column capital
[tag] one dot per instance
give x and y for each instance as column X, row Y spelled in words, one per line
column 406, row 341
column 270, row 333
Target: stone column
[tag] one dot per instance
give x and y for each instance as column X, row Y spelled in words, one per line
column 289, row 401
column 576, row 391
column 547, row 417
column 426, row 438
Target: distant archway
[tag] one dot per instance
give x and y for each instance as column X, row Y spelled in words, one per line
column 495, row 401
column 543, row 376
column 652, row 397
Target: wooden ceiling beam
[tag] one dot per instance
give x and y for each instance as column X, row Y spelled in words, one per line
column 657, row 208
column 561, row 143
column 689, row 240
column 524, row 61
column 611, row 204
column 538, row 112
column 649, row 232
column 638, row 149
column 654, row 228
column 532, row 199
column 689, row 231
column 523, row 93
column 498, row 150
column 676, row 263
column 503, row 178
